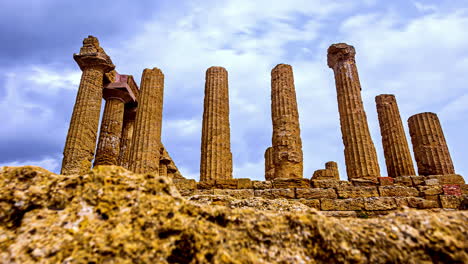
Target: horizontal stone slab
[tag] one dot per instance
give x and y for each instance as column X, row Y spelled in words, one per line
column 291, row 183
column 315, row 193
column 262, row 185
column 275, row 193
column 430, row 190
column 312, row 203
column 357, row 191
column 329, row 183
column 403, row 181
column 398, row 191
column 450, row 201
column 244, row 183
column 351, row 204
column 379, row 203
column 447, row 179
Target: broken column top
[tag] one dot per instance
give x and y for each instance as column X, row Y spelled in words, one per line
column 424, row 113
column 282, row 66
column 153, row 71
column 340, row 52
column 92, row 55
column 331, row 164
column 385, row 98
column 215, row 68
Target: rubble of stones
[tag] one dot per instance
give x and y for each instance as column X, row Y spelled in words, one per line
column 131, row 128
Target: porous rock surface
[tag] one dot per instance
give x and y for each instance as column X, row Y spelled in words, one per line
column 114, row 216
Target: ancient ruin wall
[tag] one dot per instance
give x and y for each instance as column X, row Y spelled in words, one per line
column 144, row 153
column 286, row 140
column 360, row 154
column 269, row 165
column 81, row 138
column 127, row 134
column 216, row 156
column 108, row 148
column 396, row 150
column 429, row 146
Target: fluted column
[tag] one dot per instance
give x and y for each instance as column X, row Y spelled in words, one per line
column 144, row 153
column 286, row 140
column 269, row 166
column 396, row 150
column 81, row 138
column 332, row 167
column 216, row 156
column 111, row 130
column 429, row 146
column 360, row 154
column 127, row 134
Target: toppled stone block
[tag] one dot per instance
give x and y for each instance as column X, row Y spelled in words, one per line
column 357, row 191
column 452, row 189
column 329, row 173
column 448, row 179
column 450, row 201
column 312, row 203
column 352, row 204
column 404, row 181
column 430, row 190
column 418, row 180
column 420, row 203
column 226, row 183
column 262, row 185
column 315, row 193
column 329, row 183
column 238, row 194
column 244, row 183
column 398, row 191
column 379, row 203
column 365, row 182
column 275, row 193
column 383, row 181
column 282, row 183
column 208, row 184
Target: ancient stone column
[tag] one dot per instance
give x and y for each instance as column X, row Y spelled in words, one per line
column 396, row 150
column 216, row 156
column 360, row 154
column 286, row 140
column 329, row 173
column 332, row 166
column 429, row 145
column 269, row 166
column 144, row 153
column 81, row 138
column 127, row 134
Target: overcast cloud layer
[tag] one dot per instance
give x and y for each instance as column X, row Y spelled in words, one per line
column 413, row 49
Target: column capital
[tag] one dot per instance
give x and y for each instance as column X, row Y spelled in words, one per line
column 281, row 67
column 385, row 99
column 93, row 56
column 340, row 52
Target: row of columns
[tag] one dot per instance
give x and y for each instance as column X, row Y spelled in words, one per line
column 130, row 134
column 429, row 146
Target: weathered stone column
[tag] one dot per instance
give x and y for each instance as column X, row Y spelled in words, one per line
column 81, row 138
column 164, row 161
column 429, row 146
column 360, row 154
column 286, row 140
column 396, row 150
column 216, row 156
column 329, row 173
column 127, row 134
column 332, row 166
column 144, row 153
column 269, row 166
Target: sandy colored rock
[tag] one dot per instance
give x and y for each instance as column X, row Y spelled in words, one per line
column 360, row 154
column 269, row 165
column 141, row 218
column 280, row 183
column 357, row 191
column 395, row 145
column 329, row 173
column 286, row 140
column 315, row 193
column 216, row 156
column 429, row 146
column 386, row 181
column 329, row 183
column 351, row 204
column 447, row 179
column 379, row 203
column 238, row 194
column 275, row 193
column 261, row 185
column 398, row 191
column 82, row 133
column 127, row 134
column 146, row 141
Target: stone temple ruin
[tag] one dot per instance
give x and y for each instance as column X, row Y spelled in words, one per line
column 130, row 136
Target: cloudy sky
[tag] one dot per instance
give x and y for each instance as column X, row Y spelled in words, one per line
column 416, row 50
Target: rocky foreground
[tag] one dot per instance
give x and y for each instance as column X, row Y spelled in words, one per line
column 114, row 216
